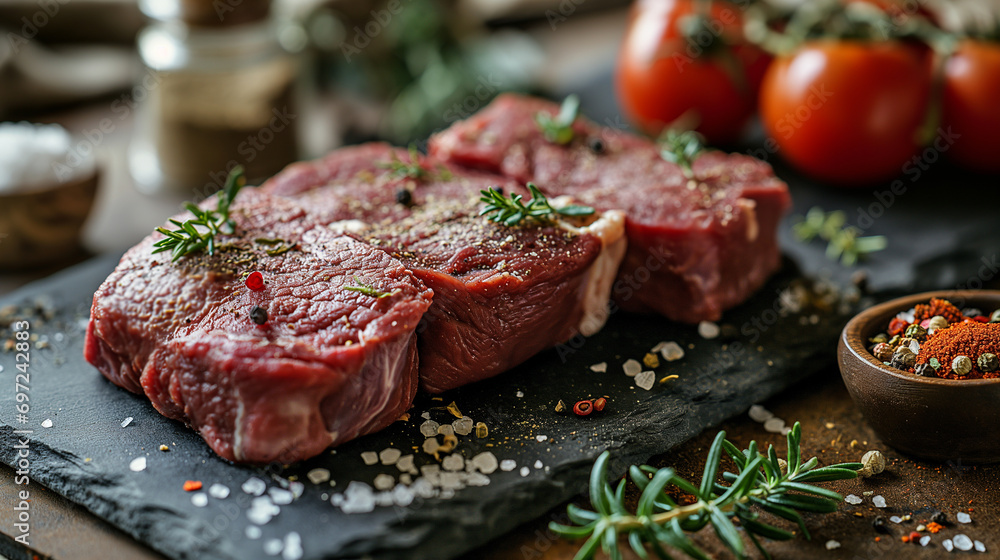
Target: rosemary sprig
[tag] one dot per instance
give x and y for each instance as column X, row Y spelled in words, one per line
column 843, row 242
column 760, row 482
column 412, row 169
column 198, row 234
column 559, row 129
column 366, row 289
column 510, row 211
column 681, row 148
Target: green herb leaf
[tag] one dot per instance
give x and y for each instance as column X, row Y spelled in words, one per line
column 412, row 168
column 843, row 242
column 511, row 211
column 198, row 234
column 367, row 289
column 559, row 129
column 681, row 148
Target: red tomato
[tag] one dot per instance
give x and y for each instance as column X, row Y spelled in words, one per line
column 662, row 75
column 847, row 112
column 971, row 104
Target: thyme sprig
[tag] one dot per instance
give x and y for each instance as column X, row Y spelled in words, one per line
column 682, row 148
column 367, row 289
column 558, row 129
column 761, row 482
column 843, row 241
column 511, row 211
column 198, row 234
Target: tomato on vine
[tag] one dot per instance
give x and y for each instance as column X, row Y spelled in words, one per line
column 971, row 104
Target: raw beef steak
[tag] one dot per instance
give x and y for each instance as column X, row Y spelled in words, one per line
column 501, row 294
column 695, row 247
column 330, row 363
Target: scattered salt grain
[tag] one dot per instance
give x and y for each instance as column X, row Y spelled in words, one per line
column 47, row 423
column 477, row 479
column 199, row 499
column 671, row 351
column 979, row 546
column 832, row 544
column 405, row 464
column 760, row 414
column 280, row 496
column 451, row 481
column 963, row 517
column 520, row 394
column 486, row 462
column 463, row 426
column 453, row 462
column 401, row 495
column 126, row 421
column 389, row 456
column 708, row 329
column 384, row 482
column 358, row 498
column 218, row 491
column 896, row 519
column 925, row 540
column 319, row 476
column 446, row 430
column 296, row 488
column 962, row 542
column 252, row 532
column 369, row 457
column 431, row 445
column 645, row 380
column 853, row 500
column 262, row 510
column 426, row 415
column 541, row 438
column 774, row 425
column 948, row 545
column 599, row 368
column 525, row 471
column 632, row 367
column 273, row 547
column 137, row 464
column 293, row 547
column 254, row 486
column 878, row 501
column 508, row 465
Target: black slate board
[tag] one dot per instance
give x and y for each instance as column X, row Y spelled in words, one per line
column 85, row 454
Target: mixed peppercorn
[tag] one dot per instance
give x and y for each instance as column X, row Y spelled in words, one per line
column 937, row 339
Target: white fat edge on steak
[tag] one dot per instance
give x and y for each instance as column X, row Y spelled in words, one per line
column 609, row 227
column 749, row 207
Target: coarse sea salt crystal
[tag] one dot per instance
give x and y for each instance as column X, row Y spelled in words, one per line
column 979, row 546
column 541, row 438
column 463, row 426
column 369, row 457
column 963, row 517
column 774, row 425
column 318, row 475
column 486, row 462
column 401, row 495
column 252, row 532
column 254, row 486
column 962, row 542
column 293, row 547
column 708, row 330
column 137, row 464
column 384, row 482
column 199, row 499
column 925, row 540
column 218, row 491
column 520, row 394
column 272, row 547
column 853, row 500
column 525, row 471
column 453, row 462
column 47, row 423
column 947, row 544
column 832, row 544
column 405, row 464
column 508, row 465
column 126, row 421
column 429, row 428
column 645, row 380
column 280, row 496
column 446, row 430
column 896, row 519
column 758, row 413
column 538, row 464
column 878, row 501
column 671, row 351
column 358, row 498
column 599, row 368
column 389, row 456
column 632, row 367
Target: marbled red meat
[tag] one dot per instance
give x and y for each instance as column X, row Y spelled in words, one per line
column 329, row 364
column 695, row 248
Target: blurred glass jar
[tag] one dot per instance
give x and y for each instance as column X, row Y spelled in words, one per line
column 219, row 92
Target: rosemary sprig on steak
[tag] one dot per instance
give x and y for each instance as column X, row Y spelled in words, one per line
column 511, row 211
column 559, row 129
column 198, row 234
column 762, row 482
column 681, row 148
column 367, row 289
column 411, row 169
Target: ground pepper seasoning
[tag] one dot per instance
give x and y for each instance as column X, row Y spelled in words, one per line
column 937, row 339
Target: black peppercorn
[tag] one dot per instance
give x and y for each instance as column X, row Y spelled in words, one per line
column 596, row 145
column 404, row 197
column 940, row 518
column 880, row 525
column 258, row 315
column 924, row 370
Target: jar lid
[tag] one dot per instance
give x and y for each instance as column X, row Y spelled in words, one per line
column 207, row 13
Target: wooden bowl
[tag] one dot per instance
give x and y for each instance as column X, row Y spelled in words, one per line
column 938, row 419
column 42, row 226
